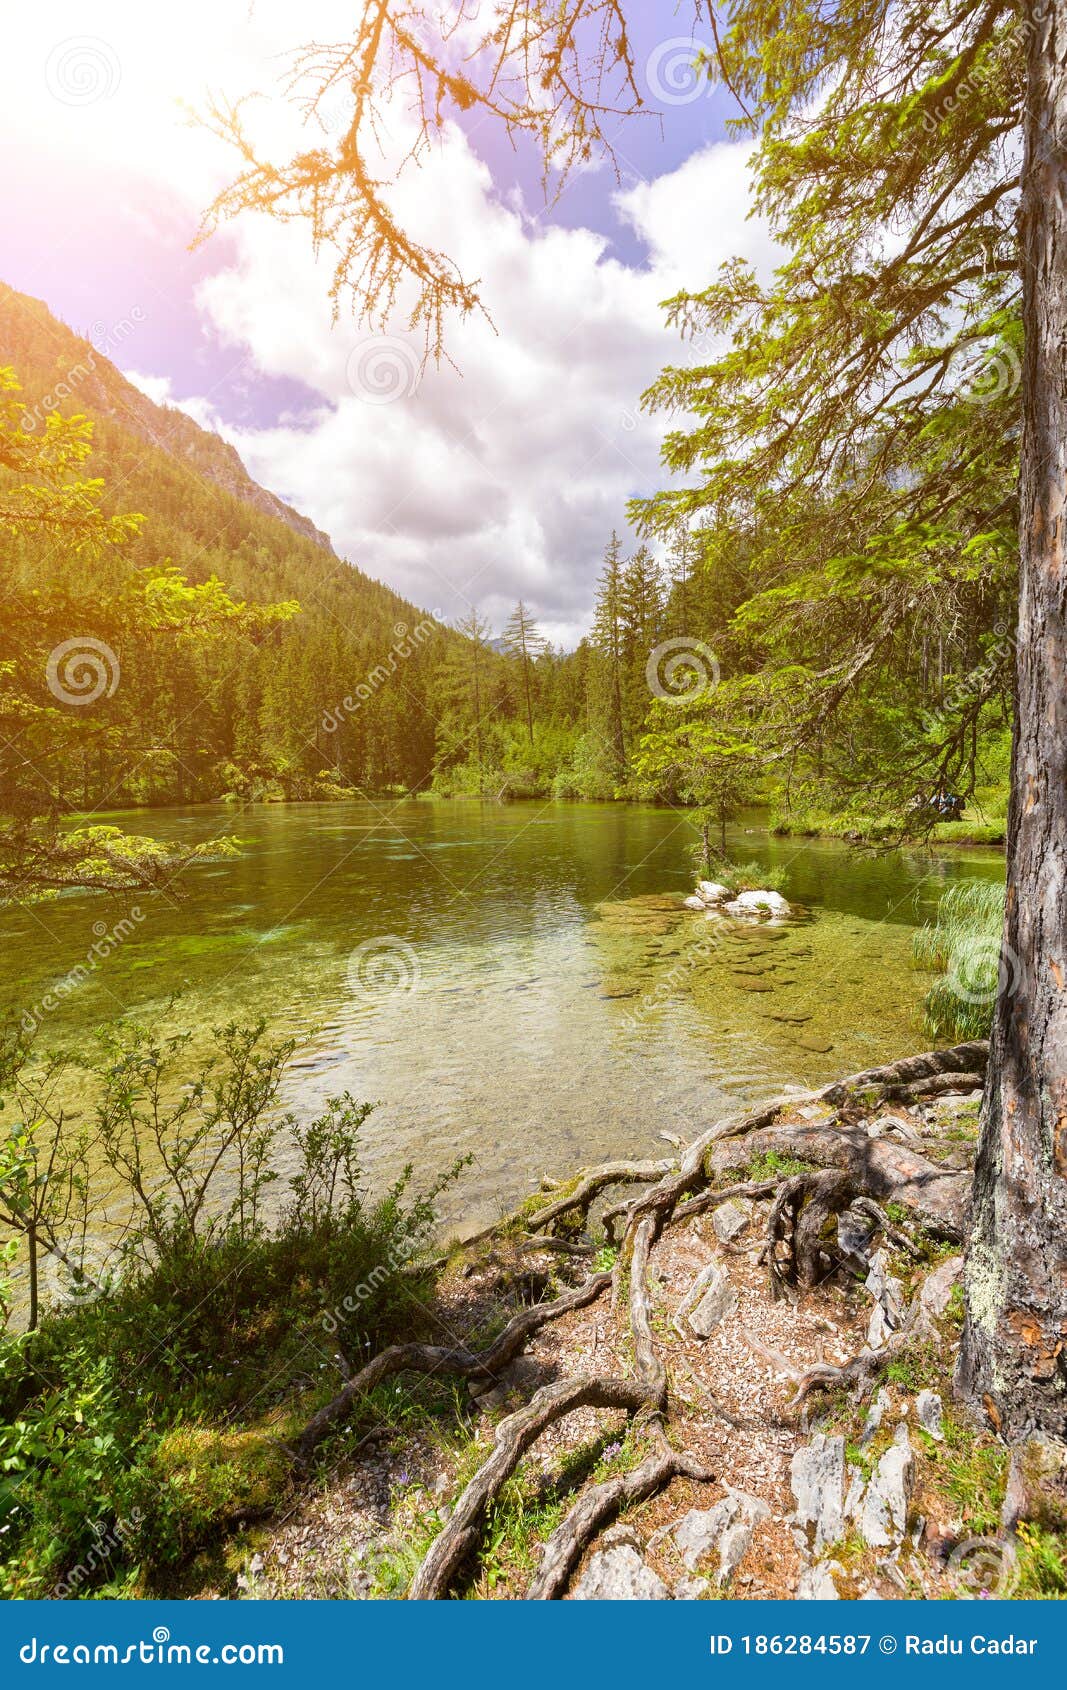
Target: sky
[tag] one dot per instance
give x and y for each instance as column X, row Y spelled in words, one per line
column 467, row 484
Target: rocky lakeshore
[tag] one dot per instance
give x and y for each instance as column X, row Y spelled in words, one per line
column 737, row 1381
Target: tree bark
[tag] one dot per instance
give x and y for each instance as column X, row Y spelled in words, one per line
column 1012, row 1359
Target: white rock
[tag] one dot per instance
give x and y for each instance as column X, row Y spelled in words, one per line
column 817, row 1584
column 817, row 1475
column 883, row 1518
column 728, row 1220
column 929, row 1410
column 719, row 1301
column 712, row 892
column 758, row 904
column 854, row 1498
column 888, row 1294
column 873, row 1420
column 687, row 1589
column 619, row 1575
column 937, row 1287
column 736, row 1542
column 695, row 903
column 726, row 1526
column 698, row 1532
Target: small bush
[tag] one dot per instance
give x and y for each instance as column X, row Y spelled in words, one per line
column 141, row 1421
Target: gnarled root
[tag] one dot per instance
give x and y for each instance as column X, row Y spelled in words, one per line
column 796, row 1249
column 513, row 1438
column 578, row 1201
column 437, row 1358
column 602, row 1504
column 860, row 1375
column 964, row 1063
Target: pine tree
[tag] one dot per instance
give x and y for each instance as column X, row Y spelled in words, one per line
column 641, row 607
column 471, row 662
column 607, row 637
column 525, row 642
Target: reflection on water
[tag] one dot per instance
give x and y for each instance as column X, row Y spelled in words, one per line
column 521, row 982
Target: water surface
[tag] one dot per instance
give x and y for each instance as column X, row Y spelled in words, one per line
column 521, row 981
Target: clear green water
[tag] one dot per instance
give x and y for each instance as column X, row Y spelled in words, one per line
column 551, row 1002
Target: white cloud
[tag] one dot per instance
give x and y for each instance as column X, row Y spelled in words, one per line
column 698, row 216
column 505, row 477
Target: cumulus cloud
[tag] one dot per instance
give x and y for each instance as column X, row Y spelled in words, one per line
column 504, row 475
column 473, row 484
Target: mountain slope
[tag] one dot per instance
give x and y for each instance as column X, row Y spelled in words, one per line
column 347, row 688
column 62, row 371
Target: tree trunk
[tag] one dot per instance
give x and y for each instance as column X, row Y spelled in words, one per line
column 31, row 1243
column 526, row 683
column 1013, row 1361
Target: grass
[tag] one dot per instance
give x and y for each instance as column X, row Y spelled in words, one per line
column 769, row 1164
column 975, row 1475
column 741, row 877
column 1042, row 1564
column 963, row 945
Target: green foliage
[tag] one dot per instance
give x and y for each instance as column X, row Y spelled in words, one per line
column 740, row 877
column 975, row 1475
column 148, row 1412
column 1042, row 1563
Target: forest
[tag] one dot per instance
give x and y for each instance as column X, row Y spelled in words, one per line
column 693, row 637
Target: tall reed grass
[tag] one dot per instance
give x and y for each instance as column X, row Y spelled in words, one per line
column 964, row 947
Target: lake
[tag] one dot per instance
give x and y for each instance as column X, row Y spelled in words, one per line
column 518, row 981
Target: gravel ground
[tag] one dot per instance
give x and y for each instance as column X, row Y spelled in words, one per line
column 361, row 1531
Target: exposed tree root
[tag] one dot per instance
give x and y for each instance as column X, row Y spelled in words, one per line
column 796, row 1250
column 436, row 1358
column 602, row 1504
column 935, row 1085
column 965, row 1064
column 804, row 1242
column 962, row 1059
column 710, row 1199
column 860, row 1375
column 513, row 1438
column 799, row 1248
column 883, row 1168
column 594, row 1181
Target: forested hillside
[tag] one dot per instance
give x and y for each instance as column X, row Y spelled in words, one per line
column 702, row 660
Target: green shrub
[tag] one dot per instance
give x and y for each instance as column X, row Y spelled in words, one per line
column 150, row 1413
